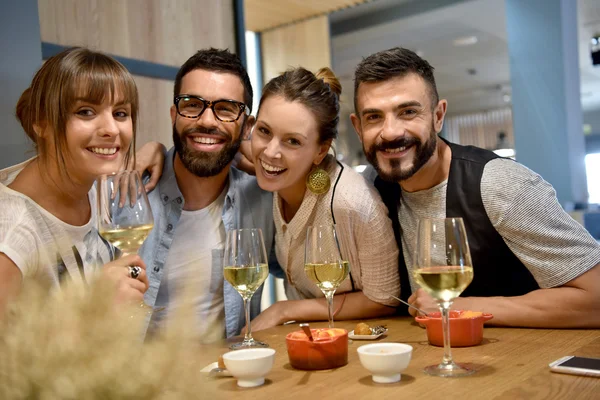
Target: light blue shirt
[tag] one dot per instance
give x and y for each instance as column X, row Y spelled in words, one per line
column 245, row 206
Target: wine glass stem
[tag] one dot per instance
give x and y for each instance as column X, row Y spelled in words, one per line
column 329, row 296
column 248, row 335
column 445, row 308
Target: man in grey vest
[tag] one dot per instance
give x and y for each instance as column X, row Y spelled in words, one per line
column 533, row 264
column 200, row 196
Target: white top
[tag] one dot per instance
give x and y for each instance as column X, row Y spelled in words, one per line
column 524, row 210
column 365, row 233
column 195, row 259
column 41, row 244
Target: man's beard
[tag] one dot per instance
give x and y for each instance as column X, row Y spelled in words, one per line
column 423, row 152
column 205, row 164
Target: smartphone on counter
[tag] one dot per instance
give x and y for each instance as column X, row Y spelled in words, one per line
column 576, row 366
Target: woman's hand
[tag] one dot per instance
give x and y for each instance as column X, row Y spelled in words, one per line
column 151, row 157
column 127, row 288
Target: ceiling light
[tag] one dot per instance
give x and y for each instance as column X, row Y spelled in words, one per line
column 465, row 41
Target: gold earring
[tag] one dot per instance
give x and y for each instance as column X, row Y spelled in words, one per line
column 318, row 181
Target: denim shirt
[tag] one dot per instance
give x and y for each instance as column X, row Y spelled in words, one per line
column 245, row 206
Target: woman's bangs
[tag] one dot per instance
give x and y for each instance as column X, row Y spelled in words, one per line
column 104, row 81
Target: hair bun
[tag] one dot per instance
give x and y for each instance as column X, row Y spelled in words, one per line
column 328, row 77
column 23, row 113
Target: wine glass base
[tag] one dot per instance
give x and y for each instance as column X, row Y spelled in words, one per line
column 450, row 370
column 248, row 344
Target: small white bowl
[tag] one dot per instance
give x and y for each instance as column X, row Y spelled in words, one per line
column 249, row 366
column 385, row 361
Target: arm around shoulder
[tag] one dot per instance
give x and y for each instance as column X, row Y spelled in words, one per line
column 151, row 158
column 377, row 252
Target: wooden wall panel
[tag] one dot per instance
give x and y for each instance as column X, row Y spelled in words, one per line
column 154, row 122
column 160, row 31
column 304, row 44
column 267, row 14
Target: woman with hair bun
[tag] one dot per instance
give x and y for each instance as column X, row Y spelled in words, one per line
column 80, row 113
column 296, row 124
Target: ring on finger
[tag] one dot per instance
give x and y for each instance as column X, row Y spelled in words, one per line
column 134, row 272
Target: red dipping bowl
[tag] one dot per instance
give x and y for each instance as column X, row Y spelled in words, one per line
column 464, row 331
column 328, row 350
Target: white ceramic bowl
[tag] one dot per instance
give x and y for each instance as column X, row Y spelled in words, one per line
column 249, row 366
column 385, row 361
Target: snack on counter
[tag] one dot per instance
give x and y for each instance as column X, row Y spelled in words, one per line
column 362, row 329
column 329, row 349
column 466, row 327
column 221, row 362
column 470, row 314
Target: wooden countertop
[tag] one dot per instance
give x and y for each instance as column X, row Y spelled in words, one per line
column 511, row 364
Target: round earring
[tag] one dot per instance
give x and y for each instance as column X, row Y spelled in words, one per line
column 317, row 181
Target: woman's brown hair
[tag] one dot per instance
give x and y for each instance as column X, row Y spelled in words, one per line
column 318, row 92
column 73, row 74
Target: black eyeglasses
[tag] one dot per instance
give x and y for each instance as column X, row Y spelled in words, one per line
column 189, row 106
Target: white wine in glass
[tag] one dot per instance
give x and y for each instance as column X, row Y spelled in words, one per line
column 124, row 213
column 327, row 276
column 128, row 239
column 443, row 268
column 323, row 262
column 246, row 279
column 245, row 268
column 444, row 283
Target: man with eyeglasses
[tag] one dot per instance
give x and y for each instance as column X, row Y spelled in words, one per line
column 200, row 196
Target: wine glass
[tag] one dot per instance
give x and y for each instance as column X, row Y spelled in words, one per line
column 245, row 268
column 124, row 214
column 444, row 269
column 323, row 262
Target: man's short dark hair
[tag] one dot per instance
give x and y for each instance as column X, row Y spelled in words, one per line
column 216, row 60
column 392, row 63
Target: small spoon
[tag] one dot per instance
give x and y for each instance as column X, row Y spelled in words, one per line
column 218, row 372
column 410, row 305
column 306, row 329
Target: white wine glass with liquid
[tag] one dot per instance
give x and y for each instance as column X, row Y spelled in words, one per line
column 443, row 268
column 124, row 213
column 245, row 267
column 323, row 262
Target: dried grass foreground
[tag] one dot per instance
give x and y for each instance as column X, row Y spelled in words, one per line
column 76, row 344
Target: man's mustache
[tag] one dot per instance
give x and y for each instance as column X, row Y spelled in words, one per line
column 394, row 144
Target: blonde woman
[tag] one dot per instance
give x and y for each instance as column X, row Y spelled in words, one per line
column 80, row 112
column 296, row 124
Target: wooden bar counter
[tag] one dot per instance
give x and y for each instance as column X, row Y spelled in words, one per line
column 510, row 363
